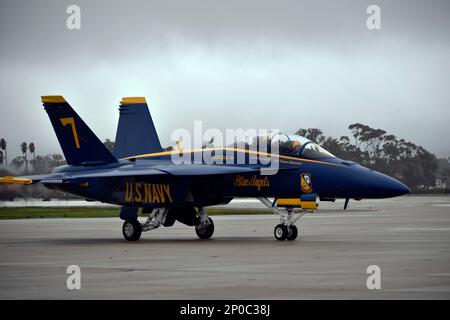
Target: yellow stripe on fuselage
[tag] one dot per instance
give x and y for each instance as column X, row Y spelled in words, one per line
column 167, row 153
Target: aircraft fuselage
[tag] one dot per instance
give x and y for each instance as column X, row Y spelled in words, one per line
column 328, row 178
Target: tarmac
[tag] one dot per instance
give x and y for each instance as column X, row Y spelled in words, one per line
column 408, row 238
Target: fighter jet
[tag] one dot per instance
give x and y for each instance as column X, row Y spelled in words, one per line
column 142, row 177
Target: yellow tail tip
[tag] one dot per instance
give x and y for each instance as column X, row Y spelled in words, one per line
column 53, row 99
column 133, row 100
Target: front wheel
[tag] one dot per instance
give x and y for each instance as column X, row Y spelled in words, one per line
column 280, row 232
column 131, row 230
column 205, row 231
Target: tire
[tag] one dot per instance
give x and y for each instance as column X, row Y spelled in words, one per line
column 280, row 232
column 292, row 233
column 131, row 230
column 205, row 233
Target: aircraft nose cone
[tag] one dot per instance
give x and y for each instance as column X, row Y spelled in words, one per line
column 386, row 187
column 397, row 188
column 370, row 184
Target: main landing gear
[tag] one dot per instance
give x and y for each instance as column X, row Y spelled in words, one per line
column 131, row 230
column 205, row 228
column 204, row 225
column 286, row 230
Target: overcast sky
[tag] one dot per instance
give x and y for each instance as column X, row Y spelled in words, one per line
column 232, row 64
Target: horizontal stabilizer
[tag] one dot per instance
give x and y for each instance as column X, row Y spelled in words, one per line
column 31, row 179
column 13, row 180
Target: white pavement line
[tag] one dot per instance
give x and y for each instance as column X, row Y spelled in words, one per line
column 424, row 289
column 418, row 229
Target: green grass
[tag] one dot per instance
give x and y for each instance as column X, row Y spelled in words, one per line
column 33, row 213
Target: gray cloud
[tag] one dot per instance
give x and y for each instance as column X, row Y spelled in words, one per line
column 274, row 64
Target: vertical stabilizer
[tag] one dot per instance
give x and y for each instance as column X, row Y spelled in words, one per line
column 78, row 143
column 136, row 133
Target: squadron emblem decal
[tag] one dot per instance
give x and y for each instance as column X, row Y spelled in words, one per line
column 306, row 183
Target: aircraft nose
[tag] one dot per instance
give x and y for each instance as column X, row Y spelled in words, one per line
column 387, row 187
column 396, row 188
column 370, row 184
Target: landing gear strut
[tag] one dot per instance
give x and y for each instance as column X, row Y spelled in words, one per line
column 286, row 230
column 155, row 219
column 132, row 228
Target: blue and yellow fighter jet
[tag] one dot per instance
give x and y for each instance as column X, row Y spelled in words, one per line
column 140, row 175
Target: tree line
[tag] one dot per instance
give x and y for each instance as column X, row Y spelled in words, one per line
column 28, row 162
column 376, row 149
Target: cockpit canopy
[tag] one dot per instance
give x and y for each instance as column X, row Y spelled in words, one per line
column 295, row 145
column 289, row 145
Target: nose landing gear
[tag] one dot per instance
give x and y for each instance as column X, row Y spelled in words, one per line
column 286, row 230
column 283, row 232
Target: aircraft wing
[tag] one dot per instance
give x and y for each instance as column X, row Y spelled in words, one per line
column 160, row 170
column 75, row 177
column 115, row 173
column 173, row 170
column 187, row 170
column 202, row 170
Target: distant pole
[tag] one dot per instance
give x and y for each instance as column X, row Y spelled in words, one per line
column 3, row 147
column 32, row 149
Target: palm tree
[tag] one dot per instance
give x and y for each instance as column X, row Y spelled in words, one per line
column 58, row 158
column 3, row 147
column 32, row 149
column 24, row 147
